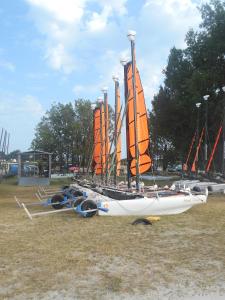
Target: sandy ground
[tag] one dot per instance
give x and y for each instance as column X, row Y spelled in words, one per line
column 66, row 257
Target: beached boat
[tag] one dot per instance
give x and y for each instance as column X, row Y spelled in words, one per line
column 114, row 202
column 117, row 201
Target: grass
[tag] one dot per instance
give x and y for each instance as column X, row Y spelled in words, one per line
column 63, row 256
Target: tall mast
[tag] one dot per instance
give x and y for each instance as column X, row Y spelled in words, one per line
column 223, row 136
column 197, row 135
column 131, row 36
column 124, row 63
column 116, row 81
column 101, row 139
column 206, row 97
column 104, row 90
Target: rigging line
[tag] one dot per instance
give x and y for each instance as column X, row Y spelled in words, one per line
column 210, row 148
column 112, row 142
column 123, row 117
column 92, row 152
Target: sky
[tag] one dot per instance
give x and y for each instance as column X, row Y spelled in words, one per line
column 60, row 50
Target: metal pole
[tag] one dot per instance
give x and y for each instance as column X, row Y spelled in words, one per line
column 49, row 166
column 1, row 138
column 223, row 137
column 135, row 114
column 106, row 135
column 206, row 97
column 115, row 132
column 127, row 126
column 7, row 150
column 197, row 135
column 101, row 140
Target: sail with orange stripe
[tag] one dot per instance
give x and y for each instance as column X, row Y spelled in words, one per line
column 145, row 161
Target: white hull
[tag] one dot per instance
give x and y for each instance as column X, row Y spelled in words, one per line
column 152, row 206
column 161, row 205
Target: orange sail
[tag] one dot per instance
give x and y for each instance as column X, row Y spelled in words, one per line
column 193, row 168
column 118, row 125
column 214, row 149
column 101, row 143
column 97, row 159
column 104, row 141
column 142, row 124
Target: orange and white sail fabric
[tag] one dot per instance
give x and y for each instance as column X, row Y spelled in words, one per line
column 145, row 161
column 118, row 126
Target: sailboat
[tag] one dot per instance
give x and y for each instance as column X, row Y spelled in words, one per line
column 112, row 201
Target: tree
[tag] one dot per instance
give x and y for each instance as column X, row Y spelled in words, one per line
column 190, row 74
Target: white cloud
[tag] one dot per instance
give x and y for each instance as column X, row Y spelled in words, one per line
column 31, row 105
column 27, row 105
column 19, row 115
column 68, row 11
column 7, row 65
column 68, row 24
column 98, row 21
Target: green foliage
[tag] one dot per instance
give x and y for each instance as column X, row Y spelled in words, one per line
column 190, row 74
column 66, row 131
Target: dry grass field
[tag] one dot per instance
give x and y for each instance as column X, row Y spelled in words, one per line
column 64, row 256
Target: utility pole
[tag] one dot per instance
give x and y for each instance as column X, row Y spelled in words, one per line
column 131, row 36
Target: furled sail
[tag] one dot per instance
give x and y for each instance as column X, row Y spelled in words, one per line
column 142, row 124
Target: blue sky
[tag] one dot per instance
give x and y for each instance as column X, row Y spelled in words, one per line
column 60, row 50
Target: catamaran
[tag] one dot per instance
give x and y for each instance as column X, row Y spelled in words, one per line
column 114, row 201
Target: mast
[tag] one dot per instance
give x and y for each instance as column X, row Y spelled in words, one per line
column 214, row 149
column 124, row 63
column 101, row 139
column 131, row 37
column 223, row 136
column 194, row 169
column 1, row 138
column 116, row 80
column 185, row 166
column 106, row 127
column 206, row 97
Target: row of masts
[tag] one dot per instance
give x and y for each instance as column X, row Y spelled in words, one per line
column 136, row 122
column 4, row 142
column 198, row 141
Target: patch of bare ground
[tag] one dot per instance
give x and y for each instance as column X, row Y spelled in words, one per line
column 64, row 256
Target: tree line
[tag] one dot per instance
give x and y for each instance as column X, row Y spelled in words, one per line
column 191, row 73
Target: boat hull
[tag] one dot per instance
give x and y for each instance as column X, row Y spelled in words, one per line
column 152, row 206
column 163, row 203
